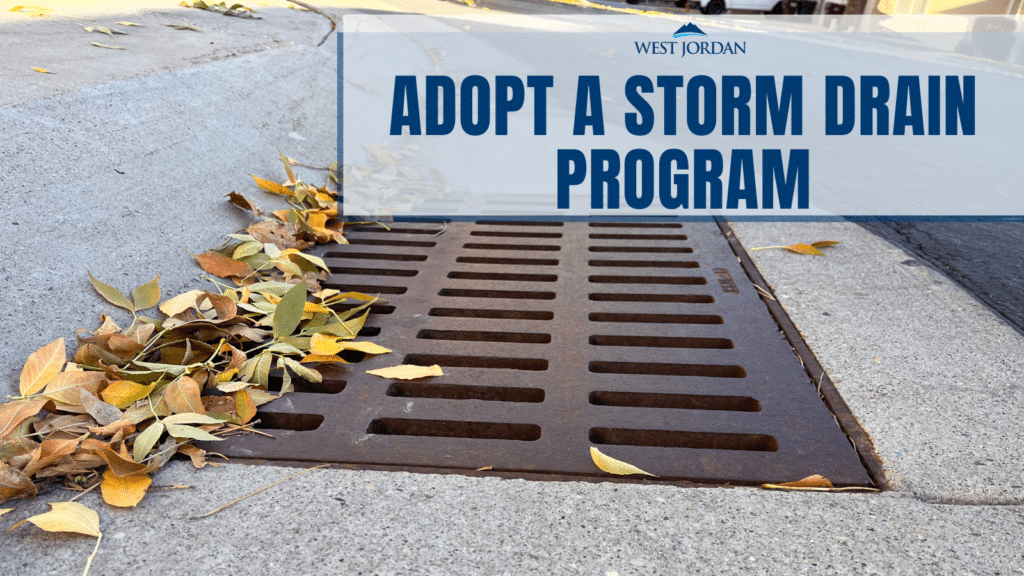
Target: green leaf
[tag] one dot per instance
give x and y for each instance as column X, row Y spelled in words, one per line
column 179, row 431
column 147, row 295
column 307, row 374
column 246, row 249
column 286, row 376
column 289, row 311
column 111, row 294
column 145, row 441
column 263, row 364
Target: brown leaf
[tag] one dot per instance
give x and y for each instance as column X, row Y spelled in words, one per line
column 49, row 452
column 825, row 243
column 41, row 366
column 101, row 411
column 197, row 454
column 124, row 346
column 14, row 484
column 224, row 306
column 182, row 396
column 222, row 266
column 120, row 465
column 123, row 426
column 13, row 414
column 16, row 447
column 245, row 204
column 124, row 491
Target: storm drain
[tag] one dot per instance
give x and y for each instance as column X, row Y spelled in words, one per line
column 646, row 340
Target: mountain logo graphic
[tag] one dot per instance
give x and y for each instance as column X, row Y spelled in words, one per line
column 688, row 30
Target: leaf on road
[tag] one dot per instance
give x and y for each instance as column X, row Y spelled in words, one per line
column 182, row 396
column 145, row 441
column 272, row 187
column 100, row 411
column 613, row 466
column 181, row 302
column 825, row 243
column 221, row 266
column 122, row 393
column 245, row 204
column 97, row 44
column 66, row 517
column 124, row 491
column 183, row 27
column 13, row 414
column 407, row 372
column 41, row 70
column 147, row 295
column 42, row 366
column 64, row 388
column 111, row 294
column 5, row 511
column 127, row 24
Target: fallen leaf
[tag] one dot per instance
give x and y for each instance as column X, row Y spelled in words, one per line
column 14, row 484
column 41, row 70
column 64, row 388
column 180, row 303
column 244, row 406
column 42, row 366
column 124, row 491
column 816, row 480
column 613, row 466
column 801, row 248
column 182, row 396
column 272, row 187
column 289, row 311
column 66, row 517
column 244, row 203
column 367, row 347
column 221, row 266
column 407, row 372
column 5, row 511
column 182, row 27
column 101, row 411
column 127, row 24
column 111, row 294
column 97, row 44
column 146, row 440
column 13, row 414
column 485, row 468
column 825, row 243
column 123, row 393
column 195, row 453
column 147, row 295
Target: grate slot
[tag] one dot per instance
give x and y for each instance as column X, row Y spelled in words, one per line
column 524, row 247
column 374, row 272
column 530, row 364
column 367, row 288
column 286, row 421
column 465, row 392
column 376, row 242
column 509, row 294
column 675, row 401
column 374, row 256
column 492, row 314
column 680, row 439
column 655, row 318
column 478, row 336
column 326, row 386
column 498, row 223
column 507, row 261
column 381, row 230
column 638, row 237
column 675, row 280
column 515, row 234
column 454, row 429
column 635, row 225
column 643, row 264
column 503, row 277
column 659, row 369
column 641, row 250
column 683, row 298
column 661, row 342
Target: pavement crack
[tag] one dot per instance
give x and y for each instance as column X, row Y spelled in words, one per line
column 314, row 9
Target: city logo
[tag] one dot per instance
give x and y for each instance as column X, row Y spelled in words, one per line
column 690, row 29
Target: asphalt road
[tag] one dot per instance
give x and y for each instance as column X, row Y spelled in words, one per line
column 983, row 257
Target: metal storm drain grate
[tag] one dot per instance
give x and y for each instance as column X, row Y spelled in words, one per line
column 646, row 340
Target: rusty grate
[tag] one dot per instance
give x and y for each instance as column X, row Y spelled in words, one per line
column 646, row 340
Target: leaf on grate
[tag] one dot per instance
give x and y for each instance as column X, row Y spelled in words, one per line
column 66, row 517
column 42, row 366
column 613, row 466
column 814, row 481
column 407, row 372
column 366, row 347
column 124, row 491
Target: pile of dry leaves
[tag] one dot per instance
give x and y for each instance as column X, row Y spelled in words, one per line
column 131, row 398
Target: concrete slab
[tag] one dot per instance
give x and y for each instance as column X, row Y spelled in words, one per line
column 932, row 375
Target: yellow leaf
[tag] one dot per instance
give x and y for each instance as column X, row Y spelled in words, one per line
column 66, row 517
column 65, row 387
column 407, row 372
column 613, row 466
column 244, row 406
column 321, row 345
column 367, row 347
column 801, row 248
column 41, row 70
column 272, row 187
column 97, row 44
column 814, row 481
column 41, row 367
column 324, row 358
column 147, row 295
column 123, row 393
column 128, row 24
column 287, row 167
column 124, row 491
column 5, row 511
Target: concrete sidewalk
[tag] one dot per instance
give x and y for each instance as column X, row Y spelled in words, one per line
column 932, row 375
